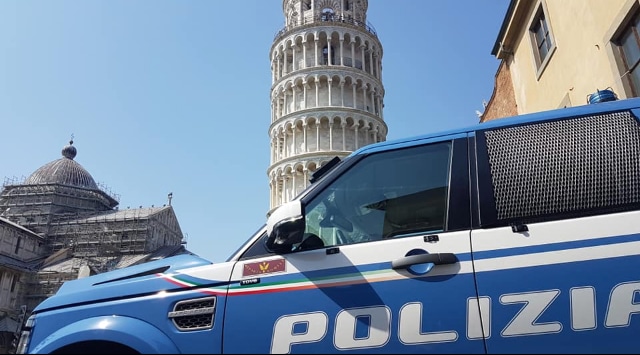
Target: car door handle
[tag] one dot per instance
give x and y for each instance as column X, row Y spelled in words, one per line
column 437, row 259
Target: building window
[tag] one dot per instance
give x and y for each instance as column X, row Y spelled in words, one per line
column 566, row 101
column 541, row 39
column 327, row 15
column 629, row 46
column 14, row 282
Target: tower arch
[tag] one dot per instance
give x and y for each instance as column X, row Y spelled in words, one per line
column 326, row 94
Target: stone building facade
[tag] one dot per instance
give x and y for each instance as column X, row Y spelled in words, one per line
column 555, row 54
column 58, row 225
column 327, row 95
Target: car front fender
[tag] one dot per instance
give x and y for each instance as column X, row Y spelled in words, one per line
column 134, row 333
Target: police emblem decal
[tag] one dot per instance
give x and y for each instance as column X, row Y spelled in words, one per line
column 264, row 267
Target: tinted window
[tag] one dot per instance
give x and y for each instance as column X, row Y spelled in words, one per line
column 385, row 195
column 258, row 249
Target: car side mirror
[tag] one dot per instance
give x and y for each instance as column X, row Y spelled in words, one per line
column 285, row 227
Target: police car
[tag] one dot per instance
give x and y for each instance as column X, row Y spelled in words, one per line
column 516, row 235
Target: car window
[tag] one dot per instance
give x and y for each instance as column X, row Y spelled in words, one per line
column 257, row 249
column 385, row 195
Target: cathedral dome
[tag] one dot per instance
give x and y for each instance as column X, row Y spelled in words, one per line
column 64, row 171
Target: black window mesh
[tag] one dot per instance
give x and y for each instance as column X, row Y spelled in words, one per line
column 565, row 166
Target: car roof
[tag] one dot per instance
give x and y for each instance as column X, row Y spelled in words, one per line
column 583, row 110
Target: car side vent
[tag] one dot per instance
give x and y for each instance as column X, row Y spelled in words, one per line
column 196, row 314
column 565, row 166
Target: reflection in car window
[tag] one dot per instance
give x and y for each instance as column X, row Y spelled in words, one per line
column 387, row 194
column 258, row 249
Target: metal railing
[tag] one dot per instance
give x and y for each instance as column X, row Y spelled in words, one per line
column 329, row 18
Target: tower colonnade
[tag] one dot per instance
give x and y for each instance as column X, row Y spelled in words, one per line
column 296, row 173
column 327, row 96
column 324, row 131
column 339, row 48
column 300, row 12
column 349, row 90
column 301, row 144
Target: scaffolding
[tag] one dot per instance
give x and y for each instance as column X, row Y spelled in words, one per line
column 82, row 228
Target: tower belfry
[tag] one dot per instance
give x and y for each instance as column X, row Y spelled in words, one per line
column 327, row 94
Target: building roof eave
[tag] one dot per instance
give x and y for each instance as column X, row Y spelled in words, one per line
column 21, row 228
column 510, row 28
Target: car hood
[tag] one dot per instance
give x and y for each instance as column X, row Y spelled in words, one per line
column 146, row 278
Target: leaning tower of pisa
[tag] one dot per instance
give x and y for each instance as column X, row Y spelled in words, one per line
column 326, row 94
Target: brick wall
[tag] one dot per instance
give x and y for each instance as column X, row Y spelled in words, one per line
column 503, row 100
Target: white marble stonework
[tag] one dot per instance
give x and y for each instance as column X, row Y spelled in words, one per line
column 327, row 95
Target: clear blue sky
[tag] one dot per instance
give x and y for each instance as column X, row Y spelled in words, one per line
column 173, row 96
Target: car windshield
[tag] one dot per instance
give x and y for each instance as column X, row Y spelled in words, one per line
column 257, row 234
